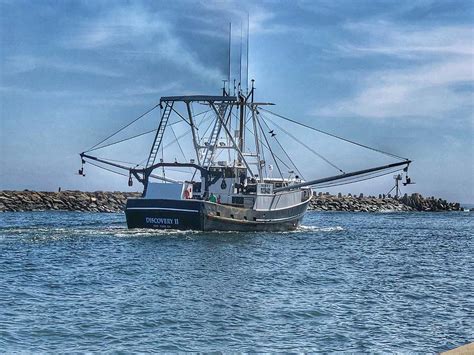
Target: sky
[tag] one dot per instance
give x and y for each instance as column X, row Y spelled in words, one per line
column 396, row 75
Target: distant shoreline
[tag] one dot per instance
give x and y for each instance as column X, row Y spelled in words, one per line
column 107, row 201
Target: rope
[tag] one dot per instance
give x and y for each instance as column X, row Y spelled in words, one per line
column 122, row 140
column 113, row 171
column 357, row 180
column 132, row 137
column 284, row 151
column 270, row 149
column 333, row 135
column 200, row 113
column 121, row 129
column 103, row 167
column 266, row 146
column 116, row 161
column 307, row 147
column 179, row 145
column 205, row 132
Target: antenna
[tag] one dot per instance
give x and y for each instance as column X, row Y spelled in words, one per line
column 248, row 34
column 230, row 42
column 240, row 60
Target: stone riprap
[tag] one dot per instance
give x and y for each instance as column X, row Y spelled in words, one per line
column 382, row 203
column 101, row 201
column 98, row 201
column 420, row 203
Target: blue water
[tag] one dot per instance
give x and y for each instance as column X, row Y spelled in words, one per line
column 350, row 282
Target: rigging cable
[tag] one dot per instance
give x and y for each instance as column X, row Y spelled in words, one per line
column 121, row 129
column 129, row 138
column 270, row 149
column 260, row 139
column 307, row 147
column 266, row 146
column 116, row 161
column 334, row 136
column 122, row 140
column 108, row 169
column 201, row 140
column 357, row 180
column 179, row 145
column 284, row 151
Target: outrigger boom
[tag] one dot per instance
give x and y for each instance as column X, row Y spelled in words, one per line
column 342, row 176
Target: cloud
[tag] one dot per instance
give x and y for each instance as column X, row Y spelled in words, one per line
column 129, row 96
column 25, row 63
column 385, row 38
column 437, row 62
column 262, row 20
column 130, row 27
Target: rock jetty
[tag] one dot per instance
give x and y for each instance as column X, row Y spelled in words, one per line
column 98, row 201
column 101, row 201
column 382, row 203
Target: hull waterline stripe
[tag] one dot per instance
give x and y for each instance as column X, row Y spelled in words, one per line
column 279, row 219
column 258, row 221
column 161, row 209
column 283, row 208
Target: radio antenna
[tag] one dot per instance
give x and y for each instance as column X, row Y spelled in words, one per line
column 230, row 42
column 240, row 61
column 248, row 34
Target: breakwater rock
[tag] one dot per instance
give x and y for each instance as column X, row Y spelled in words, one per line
column 101, row 201
column 382, row 203
column 98, row 201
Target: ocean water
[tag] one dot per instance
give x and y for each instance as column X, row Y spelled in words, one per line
column 355, row 282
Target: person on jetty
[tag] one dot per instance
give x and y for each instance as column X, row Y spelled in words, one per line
column 212, row 198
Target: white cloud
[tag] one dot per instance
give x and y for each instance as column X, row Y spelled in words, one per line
column 262, row 20
column 441, row 61
column 134, row 27
column 24, row 63
column 383, row 37
column 129, row 96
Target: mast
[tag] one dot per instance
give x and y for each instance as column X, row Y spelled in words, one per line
column 242, row 103
column 229, row 134
column 257, row 145
column 247, row 66
column 240, row 61
column 230, row 42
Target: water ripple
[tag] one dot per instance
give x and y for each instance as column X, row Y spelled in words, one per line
column 384, row 282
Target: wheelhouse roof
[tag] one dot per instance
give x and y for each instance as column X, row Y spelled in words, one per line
column 199, row 98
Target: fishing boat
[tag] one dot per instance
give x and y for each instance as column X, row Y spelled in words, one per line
column 237, row 182
column 236, row 193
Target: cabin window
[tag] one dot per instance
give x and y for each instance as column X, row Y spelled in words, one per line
column 237, row 200
column 232, row 216
column 218, row 214
column 214, row 173
column 229, row 173
column 196, row 186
